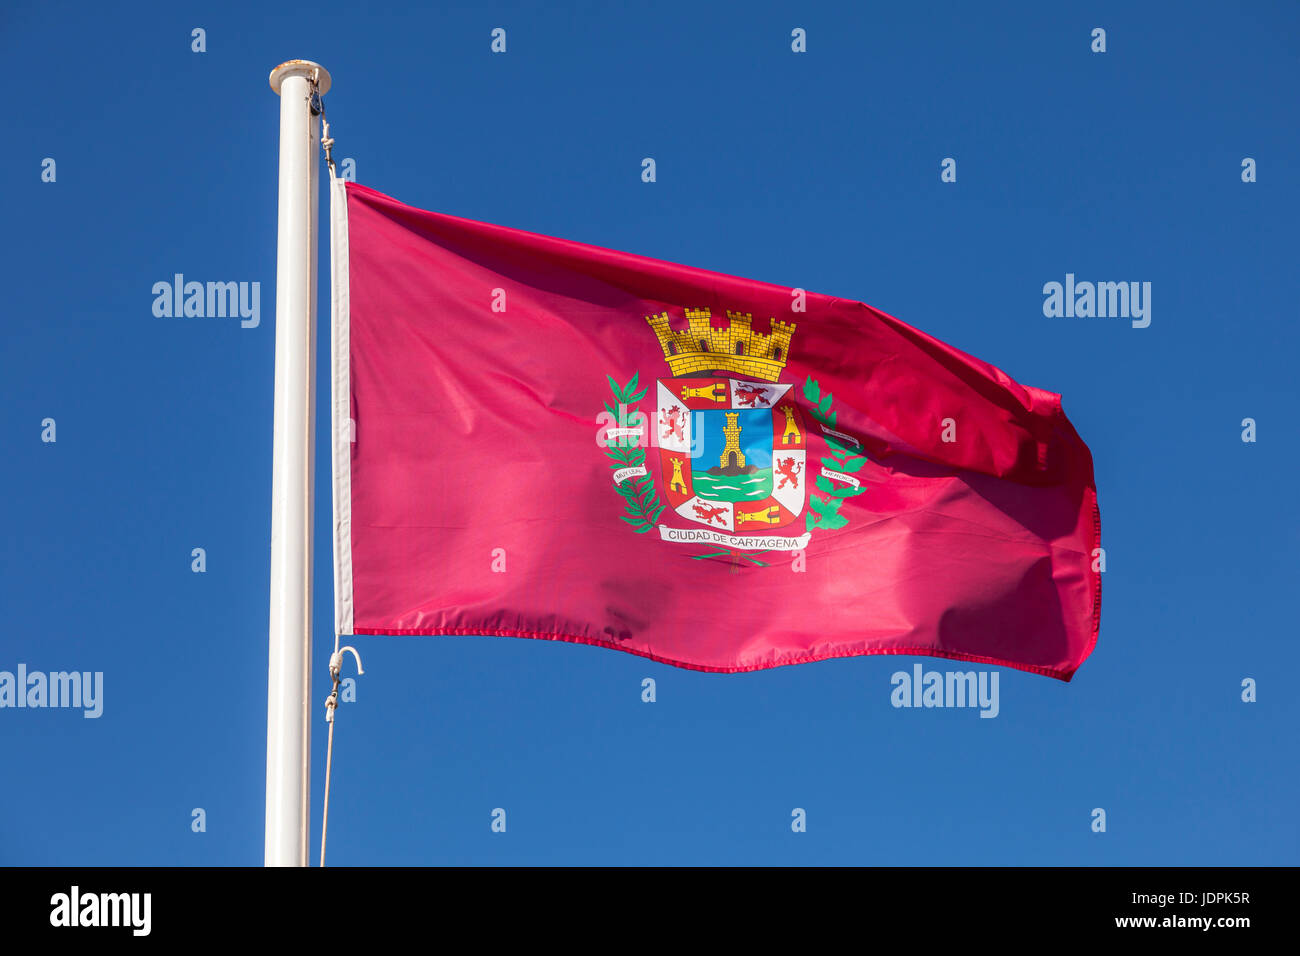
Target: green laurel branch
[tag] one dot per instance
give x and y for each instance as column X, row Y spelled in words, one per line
column 640, row 499
column 825, row 511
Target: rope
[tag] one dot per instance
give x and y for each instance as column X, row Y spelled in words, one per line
column 336, row 659
column 332, row 702
column 318, row 106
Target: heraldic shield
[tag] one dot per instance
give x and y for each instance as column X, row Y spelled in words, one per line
column 732, row 452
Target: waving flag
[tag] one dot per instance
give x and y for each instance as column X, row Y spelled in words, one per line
column 539, row 438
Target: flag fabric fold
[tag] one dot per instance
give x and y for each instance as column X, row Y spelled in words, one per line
column 539, row 438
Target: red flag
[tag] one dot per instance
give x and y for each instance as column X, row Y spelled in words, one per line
column 554, row 440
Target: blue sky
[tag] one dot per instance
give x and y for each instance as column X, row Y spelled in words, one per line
column 819, row 170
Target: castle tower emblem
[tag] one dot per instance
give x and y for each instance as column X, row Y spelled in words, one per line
column 732, row 456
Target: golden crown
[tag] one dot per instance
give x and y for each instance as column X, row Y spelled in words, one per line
column 701, row 348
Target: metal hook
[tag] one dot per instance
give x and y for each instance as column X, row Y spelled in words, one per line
column 336, row 660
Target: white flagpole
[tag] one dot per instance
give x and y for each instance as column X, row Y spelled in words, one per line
column 288, row 724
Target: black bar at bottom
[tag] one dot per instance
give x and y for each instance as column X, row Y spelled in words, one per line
column 656, row 906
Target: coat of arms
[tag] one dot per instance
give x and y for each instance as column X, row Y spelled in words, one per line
column 731, row 442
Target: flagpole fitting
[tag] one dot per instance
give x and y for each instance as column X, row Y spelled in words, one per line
column 336, row 667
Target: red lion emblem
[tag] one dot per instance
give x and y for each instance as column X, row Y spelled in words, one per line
column 747, row 395
column 708, row 514
column 674, row 423
column 789, row 470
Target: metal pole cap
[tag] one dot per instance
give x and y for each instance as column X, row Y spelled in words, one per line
column 301, row 68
